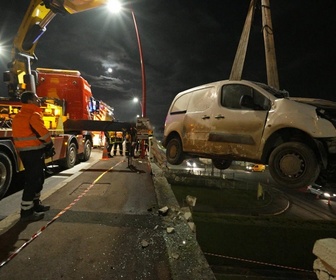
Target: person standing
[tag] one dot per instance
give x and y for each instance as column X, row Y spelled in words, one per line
column 109, row 143
column 118, row 142
column 32, row 140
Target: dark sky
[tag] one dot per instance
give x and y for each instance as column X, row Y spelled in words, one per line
column 185, row 43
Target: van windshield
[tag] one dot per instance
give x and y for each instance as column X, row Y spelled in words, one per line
column 276, row 92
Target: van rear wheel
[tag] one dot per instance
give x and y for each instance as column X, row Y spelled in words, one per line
column 293, row 165
column 174, row 151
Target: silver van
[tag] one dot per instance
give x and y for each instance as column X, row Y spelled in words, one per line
column 249, row 121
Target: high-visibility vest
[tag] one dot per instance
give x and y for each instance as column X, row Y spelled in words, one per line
column 29, row 131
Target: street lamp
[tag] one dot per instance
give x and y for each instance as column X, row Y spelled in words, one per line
column 136, row 100
column 115, row 7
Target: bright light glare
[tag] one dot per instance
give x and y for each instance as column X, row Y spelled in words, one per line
column 135, row 99
column 114, row 6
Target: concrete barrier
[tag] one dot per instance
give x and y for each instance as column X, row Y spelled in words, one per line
column 325, row 264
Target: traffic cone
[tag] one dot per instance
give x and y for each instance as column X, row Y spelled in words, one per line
column 329, row 201
column 105, row 153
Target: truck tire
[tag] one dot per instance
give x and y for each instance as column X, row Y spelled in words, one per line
column 6, row 172
column 87, row 151
column 221, row 164
column 174, row 151
column 293, row 165
column 71, row 157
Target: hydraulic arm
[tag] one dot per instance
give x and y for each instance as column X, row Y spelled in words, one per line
column 39, row 14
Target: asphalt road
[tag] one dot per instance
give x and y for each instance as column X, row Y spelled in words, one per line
column 303, row 204
column 104, row 223
column 101, row 225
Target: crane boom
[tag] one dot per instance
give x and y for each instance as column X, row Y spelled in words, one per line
column 38, row 15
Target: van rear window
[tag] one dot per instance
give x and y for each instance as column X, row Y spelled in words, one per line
column 180, row 105
column 202, row 99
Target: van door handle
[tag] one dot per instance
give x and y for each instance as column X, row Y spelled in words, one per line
column 205, row 117
column 219, row 117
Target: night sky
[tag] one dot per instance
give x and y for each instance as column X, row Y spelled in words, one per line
column 185, row 43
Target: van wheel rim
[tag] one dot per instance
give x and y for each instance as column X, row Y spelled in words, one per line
column 292, row 165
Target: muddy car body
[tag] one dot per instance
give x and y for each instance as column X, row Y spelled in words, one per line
column 244, row 120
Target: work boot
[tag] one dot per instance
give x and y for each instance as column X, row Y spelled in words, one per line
column 30, row 215
column 39, row 207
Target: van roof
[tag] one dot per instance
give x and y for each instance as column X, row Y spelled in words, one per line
column 275, row 92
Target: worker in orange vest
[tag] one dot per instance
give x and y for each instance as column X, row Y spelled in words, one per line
column 32, row 140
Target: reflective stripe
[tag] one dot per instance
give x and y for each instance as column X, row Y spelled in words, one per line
column 25, row 138
column 45, row 136
column 30, row 148
column 26, row 205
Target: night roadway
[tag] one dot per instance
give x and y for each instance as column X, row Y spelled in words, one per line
column 127, row 204
column 302, row 204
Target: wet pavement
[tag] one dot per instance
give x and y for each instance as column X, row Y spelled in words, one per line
column 105, row 224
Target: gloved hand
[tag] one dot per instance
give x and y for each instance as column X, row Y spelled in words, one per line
column 49, row 150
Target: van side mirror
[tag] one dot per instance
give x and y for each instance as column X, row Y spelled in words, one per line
column 246, row 101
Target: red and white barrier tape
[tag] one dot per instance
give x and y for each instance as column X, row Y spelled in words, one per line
column 35, row 235
column 258, row 262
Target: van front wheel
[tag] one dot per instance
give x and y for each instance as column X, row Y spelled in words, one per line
column 174, row 152
column 293, row 165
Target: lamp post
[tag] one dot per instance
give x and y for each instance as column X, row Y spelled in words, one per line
column 142, row 65
column 115, row 6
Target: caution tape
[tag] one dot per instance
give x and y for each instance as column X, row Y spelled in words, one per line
column 258, row 262
column 35, row 235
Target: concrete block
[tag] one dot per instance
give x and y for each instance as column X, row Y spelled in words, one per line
column 325, row 250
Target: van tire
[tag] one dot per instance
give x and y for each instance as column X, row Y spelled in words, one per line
column 174, row 151
column 294, row 165
column 221, row 164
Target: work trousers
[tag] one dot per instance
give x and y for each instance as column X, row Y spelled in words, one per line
column 116, row 144
column 33, row 162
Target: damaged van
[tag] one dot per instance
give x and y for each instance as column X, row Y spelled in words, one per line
column 250, row 121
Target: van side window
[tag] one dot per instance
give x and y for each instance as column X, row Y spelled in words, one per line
column 232, row 94
column 201, row 100
column 181, row 104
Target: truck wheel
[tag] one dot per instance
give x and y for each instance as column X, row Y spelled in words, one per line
column 71, row 157
column 221, row 163
column 6, row 170
column 293, row 165
column 87, row 151
column 174, row 152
